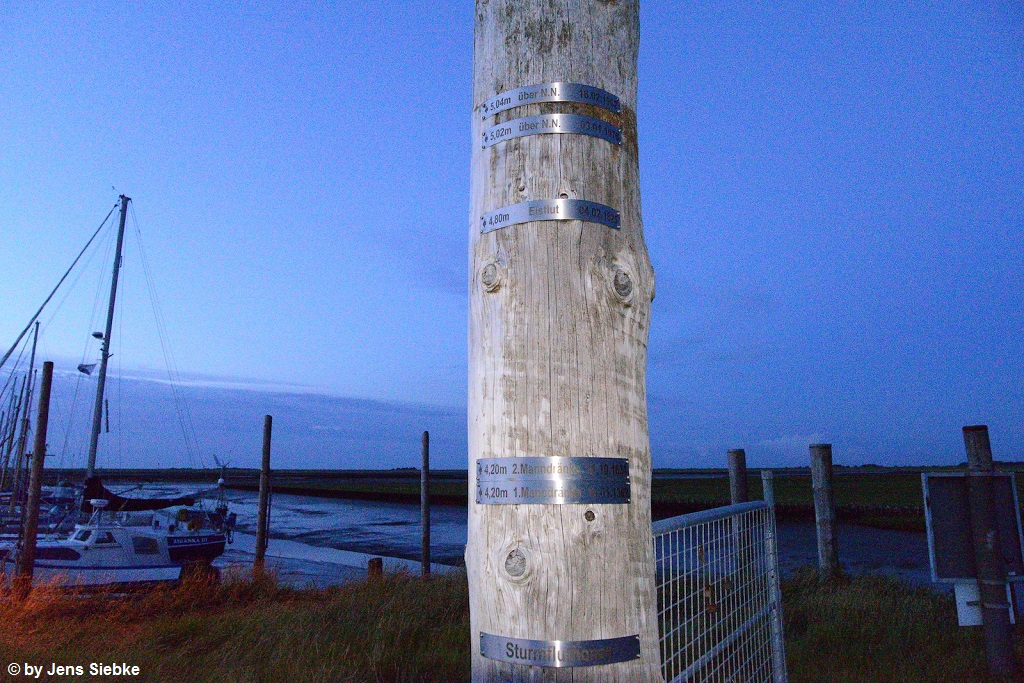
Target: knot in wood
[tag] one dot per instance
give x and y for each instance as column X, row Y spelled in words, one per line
column 490, row 277
column 623, row 283
column 589, row 515
column 515, row 563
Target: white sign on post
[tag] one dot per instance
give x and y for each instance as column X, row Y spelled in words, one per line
column 968, row 603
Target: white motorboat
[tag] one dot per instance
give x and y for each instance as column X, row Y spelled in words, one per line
column 125, row 540
column 127, row 548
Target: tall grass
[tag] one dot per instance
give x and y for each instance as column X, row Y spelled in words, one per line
column 394, row 629
column 864, row 630
column 876, row 629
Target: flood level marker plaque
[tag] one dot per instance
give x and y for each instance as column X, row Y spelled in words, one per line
column 546, row 124
column 549, row 210
column 551, row 92
column 552, row 481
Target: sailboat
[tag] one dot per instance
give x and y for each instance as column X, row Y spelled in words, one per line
column 128, row 541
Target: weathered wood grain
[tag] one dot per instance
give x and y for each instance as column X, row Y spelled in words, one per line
column 559, row 317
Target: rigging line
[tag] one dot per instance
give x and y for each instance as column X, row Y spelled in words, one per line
column 78, row 278
column 10, row 415
column 101, row 288
column 104, row 246
column 192, row 446
column 157, row 319
column 181, row 406
column 3, row 429
column 25, row 331
column 108, row 246
column 71, row 419
column 71, row 443
column 14, row 428
column 17, row 362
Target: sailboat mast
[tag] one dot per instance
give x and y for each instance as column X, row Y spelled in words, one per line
column 19, row 454
column 97, row 413
column 12, row 429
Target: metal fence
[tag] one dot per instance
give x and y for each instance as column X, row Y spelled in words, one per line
column 719, row 605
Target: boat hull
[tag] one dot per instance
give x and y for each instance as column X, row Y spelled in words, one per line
column 189, row 549
column 56, row 574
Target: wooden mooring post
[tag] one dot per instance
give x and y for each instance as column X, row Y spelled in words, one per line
column 263, row 511
column 738, row 492
column 824, row 510
column 375, row 569
column 27, row 554
column 561, row 571
column 425, row 506
column 988, row 556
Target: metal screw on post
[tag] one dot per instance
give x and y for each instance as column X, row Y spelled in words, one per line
column 738, row 476
column 425, row 505
column 824, row 510
column 988, row 556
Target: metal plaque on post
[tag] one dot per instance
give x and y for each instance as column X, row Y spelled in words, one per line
column 948, row 519
column 551, row 92
column 550, row 210
column 552, row 124
column 559, row 653
column 552, row 481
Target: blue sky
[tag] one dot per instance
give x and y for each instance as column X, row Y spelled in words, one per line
column 832, row 200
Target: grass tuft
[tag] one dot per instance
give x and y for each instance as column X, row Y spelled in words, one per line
column 878, row 629
column 398, row 628
column 402, row 628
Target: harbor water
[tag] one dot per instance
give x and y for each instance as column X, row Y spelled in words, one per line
column 315, row 528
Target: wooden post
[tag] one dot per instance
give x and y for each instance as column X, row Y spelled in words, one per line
column 27, row 558
column 988, row 556
column 738, row 476
column 375, row 568
column 738, row 494
column 824, row 509
column 425, row 506
column 558, row 327
column 768, row 487
column 263, row 513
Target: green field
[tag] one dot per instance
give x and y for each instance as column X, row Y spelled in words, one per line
column 873, row 496
column 891, row 500
column 406, row 629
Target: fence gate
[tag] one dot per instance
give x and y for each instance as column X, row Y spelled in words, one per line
column 719, row 604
